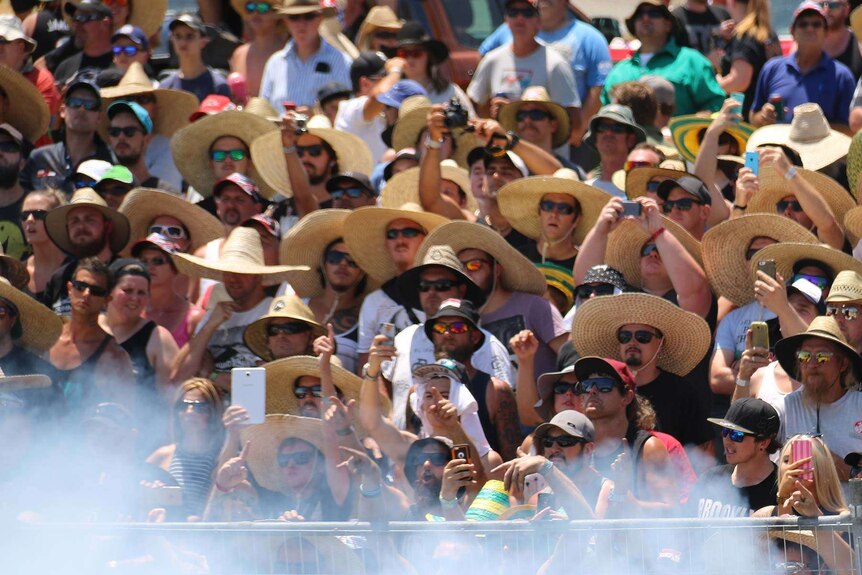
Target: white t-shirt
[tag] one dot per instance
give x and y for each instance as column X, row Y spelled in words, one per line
column 730, row 334
column 226, row 345
column 840, row 422
column 349, row 119
column 380, row 308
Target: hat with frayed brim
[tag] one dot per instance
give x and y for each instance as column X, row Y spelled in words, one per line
column 190, row 147
column 365, row 235
column 55, row 223
column 519, row 203
column 266, row 439
column 538, row 95
column 437, row 256
column 630, row 21
column 686, row 336
column 687, row 131
column 403, row 187
column 854, row 164
column 822, row 327
column 14, row 270
column 725, row 246
column 241, row 253
column 378, row 18
column 262, row 108
column 809, row 134
column 26, row 109
column 625, row 243
column 143, row 205
column 40, row 326
column 351, row 153
column 413, row 118
column 12, row 383
column 636, row 181
column 786, row 254
column 282, row 307
column 519, row 274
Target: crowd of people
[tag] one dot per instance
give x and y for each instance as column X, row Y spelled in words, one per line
column 571, row 289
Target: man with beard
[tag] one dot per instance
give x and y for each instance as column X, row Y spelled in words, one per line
column 93, row 25
column 12, row 155
column 423, row 469
column 826, row 404
column 844, row 303
column 129, row 135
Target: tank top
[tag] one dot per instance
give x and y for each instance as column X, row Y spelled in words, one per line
column 77, row 383
column 136, row 347
column 769, row 390
column 193, row 473
column 211, row 254
column 478, row 386
column 181, row 333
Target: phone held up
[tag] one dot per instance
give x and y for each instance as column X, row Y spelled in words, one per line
column 632, row 209
column 801, row 449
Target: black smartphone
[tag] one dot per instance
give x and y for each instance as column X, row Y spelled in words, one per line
column 632, row 209
column 545, row 499
column 767, row 267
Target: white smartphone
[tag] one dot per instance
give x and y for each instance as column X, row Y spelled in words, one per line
column 248, row 389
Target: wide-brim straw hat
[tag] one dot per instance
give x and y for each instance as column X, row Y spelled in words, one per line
column 635, row 183
column 12, row 383
column 26, row 109
column 538, row 95
column 686, row 133
column 241, row 253
column 686, row 340
column 282, row 307
column 808, row 134
column 519, row 274
column 55, row 223
column 147, row 15
column 725, row 246
column 403, row 187
column 413, row 118
column 773, row 187
column 853, row 224
column 262, row 108
column 266, row 439
column 786, row 254
column 289, row 7
column 624, row 247
column 14, row 270
column 190, row 147
column 351, row 152
column 854, row 163
column 173, row 106
column 40, row 326
column 365, row 235
column 519, row 203
column 143, row 205
column 822, row 327
column 804, row 537
column 378, row 18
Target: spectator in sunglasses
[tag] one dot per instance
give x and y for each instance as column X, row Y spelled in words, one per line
column 288, row 329
column 46, row 257
column 129, row 133
column 116, row 182
column 188, row 38
column 844, row 303
column 613, row 133
column 92, row 26
column 12, row 155
column 687, row 202
column 130, row 44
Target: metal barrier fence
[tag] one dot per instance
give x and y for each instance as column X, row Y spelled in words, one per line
column 769, row 546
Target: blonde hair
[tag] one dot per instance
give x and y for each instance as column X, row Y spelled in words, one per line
column 827, row 485
column 52, row 194
column 756, row 23
column 211, row 396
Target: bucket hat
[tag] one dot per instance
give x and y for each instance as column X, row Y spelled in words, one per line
column 143, row 205
column 452, row 307
column 822, row 327
column 630, row 21
column 281, row 307
column 55, row 222
column 437, row 256
column 538, row 95
column 617, row 113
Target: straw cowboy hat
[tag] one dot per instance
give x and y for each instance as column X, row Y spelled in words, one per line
column 725, row 246
column 519, row 203
column 822, row 327
column 365, row 235
column 786, row 254
column 853, row 225
column 519, row 274
column 173, row 107
column 282, row 307
column 403, row 187
column 266, row 439
column 351, row 152
column 437, row 256
column 809, row 134
column 26, row 109
column 55, row 222
column 241, row 253
column 635, row 182
column 378, row 18
column 538, row 95
column 143, row 205
column 14, row 270
column 413, row 118
column 37, row 327
column 12, row 383
column 190, row 147
column 306, row 243
column 686, row 335
column 147, row 15
column 687, row 132
column 624, row 247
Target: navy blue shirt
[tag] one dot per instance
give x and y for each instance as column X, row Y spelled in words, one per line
column 830, row 84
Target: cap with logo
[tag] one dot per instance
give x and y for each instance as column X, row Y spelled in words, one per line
column 133, row 33
column 750, row 415
column 689, row 184
column 243, row 182
column 586, row 366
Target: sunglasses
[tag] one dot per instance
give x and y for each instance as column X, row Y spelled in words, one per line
column 475, row 264
column 410, row 52
column 782, row 206
column 352, row 193
column 127, row 50
column 585, row 291
column 292, row 328
column 562, row 441
column 84, row 18
column 819, row 281
column 653, row 13
column 83, row 183
column 196, row 406
column 612, row 127
column 127, row 131
column 850, row 312
column 561, row 388
column 335, row 257
column 603, row 384
column 115, row 191
column 406, row 233
column 632, row 164
column 298, row 458
column 455, row 328
column 810, row 24
column 833, row 5
column 222, row 155
column 7, row 311
column 436, row 459
column 683, row 205
column 820, row 357
column 38, row 215
column 314, row 150
column 302, row 391
column 307, row 17
column 641, row 336
column 10, row 148
column 534, row 115
column 156, row 261
column 560, row 207
column 525, row 12
column 259, row 7
column 437, row 285
column 648, row 249
column 96, row 291
column 172, row 232
column 142, row 99
column 733, row 435
column 74, row 102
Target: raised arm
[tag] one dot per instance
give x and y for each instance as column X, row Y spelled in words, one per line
column 430, row 175
column 594, row 246
column 525, row 345
column 706, row 162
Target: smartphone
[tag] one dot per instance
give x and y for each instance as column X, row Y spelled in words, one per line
column 778, row 103
column 752, row 162
column 801, row 449
column 248, row 389
column 632, row 209
column 546, row 499
column 739, row 97
column 164, row 497
column 387, row 329
column 461, row 451
column 759, row 334
column 767, row 267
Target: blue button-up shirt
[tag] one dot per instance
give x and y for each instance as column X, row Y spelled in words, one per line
column 287, row 78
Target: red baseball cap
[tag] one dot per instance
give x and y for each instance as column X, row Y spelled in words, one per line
column 808, row 6
column 212, row 104
column 592, row 364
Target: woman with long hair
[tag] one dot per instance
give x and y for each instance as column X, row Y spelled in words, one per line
column 46, row 257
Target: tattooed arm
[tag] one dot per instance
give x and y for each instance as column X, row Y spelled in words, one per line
column 504, row 413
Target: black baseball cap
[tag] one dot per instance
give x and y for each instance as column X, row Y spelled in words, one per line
column 453, row 307
column 689, row 184
column 750, row 415
column 331, row 90
column 366, row 64
column 90, row 6
column 357, row 178
column 193, row 21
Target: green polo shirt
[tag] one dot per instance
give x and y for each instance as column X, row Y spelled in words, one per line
column 688, row 70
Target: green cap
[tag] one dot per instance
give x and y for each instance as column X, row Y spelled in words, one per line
column 118, row 174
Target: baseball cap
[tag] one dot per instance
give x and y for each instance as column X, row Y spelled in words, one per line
column 750, row 415
column 351, row 178
column 154, row 241
column 402, row 154
column 808, row 6
column 367, row 64
column 243, row 182
column 853, row 459
column 514, row 158
column 193, row 21
column 571, row 423
column 617, row 369
column 331, row 90
column 269, row 224
column 810, row 291
column 133, row 33
column 12, row 29
column 212, row 104
column 83, row 81
column 120, row 174
column 90, row 6
column 402, row 90
column 691, row 185
column 93, row 169
column 442, row 368
column 139, row 112
column 12, row 132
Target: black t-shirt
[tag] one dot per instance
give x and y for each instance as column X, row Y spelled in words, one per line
column 751, row 50
column 851, row 57
column 700, row 26
column 530, row 251
column 714, row 495
column 679, row 410
column 80, row 61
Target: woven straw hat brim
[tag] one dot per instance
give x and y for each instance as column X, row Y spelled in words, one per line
column 804, row 537
column 786, row 254
column 773, row 187
column 365, row 236
column 215, row 269
column 260, row 107
column 190, row 147
column 519, row 203
column 143, row 205
column 174, row 107
column 410, row 125
column 624, row 248
column 352, row 153
column 147, row 15
column 509, row 121
column 55, row 222
column 40, row 326
column 378, row 18
column 519, row 274
column 685, row 129
column 636, row 180
column 815, row 154
column 854, row 162
column 853, row 224
column 266, row 439
column 27, row 111
column 686, row 335
column 10, row 383
column 403, row 187
column 255, row 336
column 823, row 328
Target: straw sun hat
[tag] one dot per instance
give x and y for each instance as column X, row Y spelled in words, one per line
column 538, row 95
column 14, row 270
column 686, row 133
column 365, row 235
column 635, row 182
column 55, row 223
column 378, row 18
column 147, row 15
column 40, row 326
column 413, row 118
column 822, row 327
column 266, row 439
column 143, row 205
column 786, row 254
column 773, row 187
column 519, row 274
column 686, row 335
column 26, row 109
column 725, row 247
column 241, row 253
column 403, row 187
column 853, row 224
column 282, row 307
